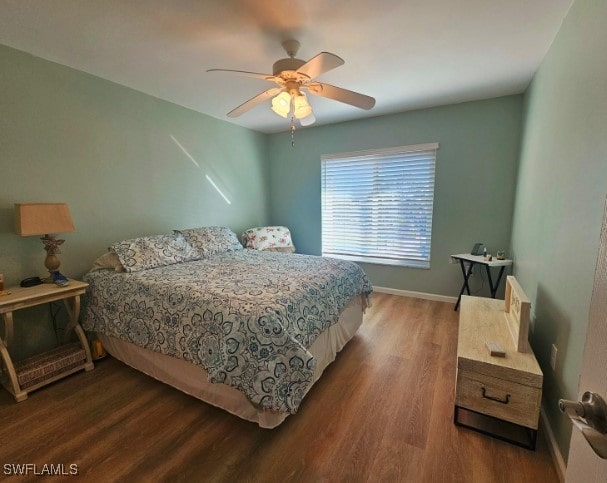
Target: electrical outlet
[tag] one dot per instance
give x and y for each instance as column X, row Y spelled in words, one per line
column 553, row 353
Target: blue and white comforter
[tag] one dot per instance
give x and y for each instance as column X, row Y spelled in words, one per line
column 246, row 317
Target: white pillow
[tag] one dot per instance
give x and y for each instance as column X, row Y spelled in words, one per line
column 268, row 238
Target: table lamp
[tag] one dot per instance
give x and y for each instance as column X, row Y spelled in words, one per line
column 45, row 219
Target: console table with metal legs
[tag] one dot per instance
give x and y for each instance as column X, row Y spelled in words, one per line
column 467, row 262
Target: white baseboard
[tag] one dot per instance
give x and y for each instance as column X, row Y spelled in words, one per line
column 417, row 295
column 557, row 457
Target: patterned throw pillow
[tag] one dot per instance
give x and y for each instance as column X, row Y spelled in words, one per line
column 211, row 240
column 268, row 238
column 153, row 251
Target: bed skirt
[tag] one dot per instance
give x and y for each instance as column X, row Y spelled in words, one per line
column 193, row 380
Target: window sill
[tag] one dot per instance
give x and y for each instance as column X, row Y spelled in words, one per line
column 380, row 261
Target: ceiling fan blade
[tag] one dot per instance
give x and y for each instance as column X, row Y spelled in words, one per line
column 320, row 64
column 342, row 95
column 254, row 101
column 269, row 77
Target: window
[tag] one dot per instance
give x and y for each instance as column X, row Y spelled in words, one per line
column 377, row 205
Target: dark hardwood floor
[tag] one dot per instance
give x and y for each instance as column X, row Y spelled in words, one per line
column 383, row 411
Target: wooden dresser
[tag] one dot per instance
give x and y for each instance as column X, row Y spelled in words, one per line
column 499, row 396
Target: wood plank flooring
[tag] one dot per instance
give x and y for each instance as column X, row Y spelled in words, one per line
column 383, row 411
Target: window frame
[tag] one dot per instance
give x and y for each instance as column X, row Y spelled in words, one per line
column 376, row 155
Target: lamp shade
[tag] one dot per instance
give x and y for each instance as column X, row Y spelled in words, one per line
column 308, row 120
column 281, row 104
column 42, row 218
column 301, row 107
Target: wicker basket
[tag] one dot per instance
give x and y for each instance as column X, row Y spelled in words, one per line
column 33, row 370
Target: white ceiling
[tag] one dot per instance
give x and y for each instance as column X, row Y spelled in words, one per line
column 408, row 54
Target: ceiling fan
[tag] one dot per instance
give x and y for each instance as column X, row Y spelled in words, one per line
column 292, row 77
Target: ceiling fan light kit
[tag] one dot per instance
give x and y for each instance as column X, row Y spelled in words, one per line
column 291, row 76
column 308, row 120
column 301, row 108
column 281, row 104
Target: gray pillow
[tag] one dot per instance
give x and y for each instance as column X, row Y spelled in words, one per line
column 211, row 240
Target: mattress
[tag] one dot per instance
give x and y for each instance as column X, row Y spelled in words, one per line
column 193, row 380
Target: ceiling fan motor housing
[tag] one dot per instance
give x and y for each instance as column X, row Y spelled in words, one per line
column 288, row 64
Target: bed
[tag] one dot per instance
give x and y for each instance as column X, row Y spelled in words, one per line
column 248, row 331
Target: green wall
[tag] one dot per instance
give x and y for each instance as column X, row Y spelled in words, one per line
column 129, row 164
column 118, row 158
column 474, row 189
column 560, row 197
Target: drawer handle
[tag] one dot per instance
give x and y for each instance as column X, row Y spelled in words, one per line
column 496, row 399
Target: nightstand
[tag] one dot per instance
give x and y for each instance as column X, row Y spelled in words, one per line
column 21, row 378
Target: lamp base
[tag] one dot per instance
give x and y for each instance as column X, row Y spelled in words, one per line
column 51, row 245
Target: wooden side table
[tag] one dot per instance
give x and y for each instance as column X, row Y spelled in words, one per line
column 25, row 376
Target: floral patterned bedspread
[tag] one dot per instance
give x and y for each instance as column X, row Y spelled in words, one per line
column 246, row 317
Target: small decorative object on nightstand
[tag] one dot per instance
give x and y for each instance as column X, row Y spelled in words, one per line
column 25, row 376
column 97, row 350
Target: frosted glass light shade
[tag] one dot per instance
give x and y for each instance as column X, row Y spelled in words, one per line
column 309, row 119
column 301, row 107
column 281, row 104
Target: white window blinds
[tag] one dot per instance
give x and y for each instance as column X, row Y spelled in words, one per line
column 377, row 205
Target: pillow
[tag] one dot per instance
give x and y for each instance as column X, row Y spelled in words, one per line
column 268, row 238
column 108, row 261
column 211, row 240
column 153, row 251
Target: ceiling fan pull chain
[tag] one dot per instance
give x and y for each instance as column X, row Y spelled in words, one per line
column 292, row 131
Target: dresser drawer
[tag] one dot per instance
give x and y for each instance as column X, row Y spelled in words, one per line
column 499, row 398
